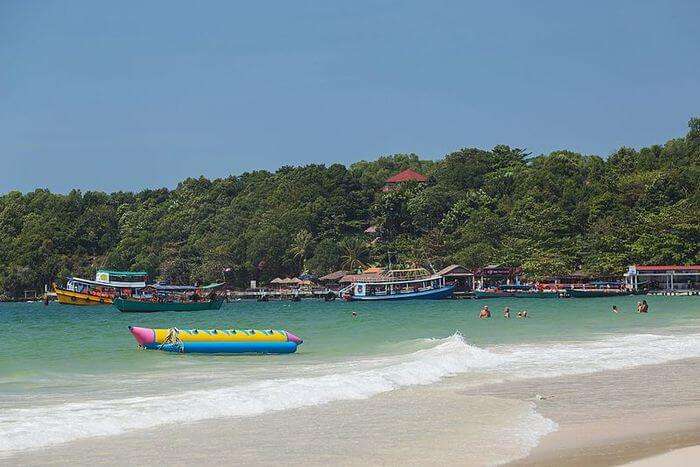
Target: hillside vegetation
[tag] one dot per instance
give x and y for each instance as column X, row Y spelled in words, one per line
column 550, row 214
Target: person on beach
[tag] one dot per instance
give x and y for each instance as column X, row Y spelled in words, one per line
column 506, row 313
column 615, row 309
column 485, row 313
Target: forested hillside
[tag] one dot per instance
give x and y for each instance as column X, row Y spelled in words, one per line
column 550, row 214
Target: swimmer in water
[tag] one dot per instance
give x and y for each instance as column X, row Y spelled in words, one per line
column 485, row 313
column 506, row 313
column 615, row 309
column 354, row 314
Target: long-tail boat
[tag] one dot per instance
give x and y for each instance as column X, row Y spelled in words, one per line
column 159, row 297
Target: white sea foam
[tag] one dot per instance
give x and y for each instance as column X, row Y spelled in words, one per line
column 38, row 426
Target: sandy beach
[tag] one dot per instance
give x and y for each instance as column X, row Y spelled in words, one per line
column 607, row 418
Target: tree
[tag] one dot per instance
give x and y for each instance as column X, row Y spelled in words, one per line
column 354, row 253
column 303, row 241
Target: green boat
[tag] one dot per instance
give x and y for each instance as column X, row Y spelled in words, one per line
column 589, row 293
column 139, row 306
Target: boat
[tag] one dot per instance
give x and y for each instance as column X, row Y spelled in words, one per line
column 130, row 305
column 590, row 293
column 107, row 285
column 517, row 291
column 163, row 297
column 400, row 284
column 226, row 341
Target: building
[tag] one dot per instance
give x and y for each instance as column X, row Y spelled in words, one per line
column 494, row 276
column 459, row 276
column 663, row 277
column 407, row 175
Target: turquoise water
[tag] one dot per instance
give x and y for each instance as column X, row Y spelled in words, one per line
column 61, row 366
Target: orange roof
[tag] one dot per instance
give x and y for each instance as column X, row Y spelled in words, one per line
column 406, row 176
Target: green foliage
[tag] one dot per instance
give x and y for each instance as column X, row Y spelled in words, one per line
column 551, row 214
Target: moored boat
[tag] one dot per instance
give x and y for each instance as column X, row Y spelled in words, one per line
column 590, row 293
column 101, row 291
column 147, row 306
column 161, row 297
column 403, row 284
column 231, row 341
column 517, row 291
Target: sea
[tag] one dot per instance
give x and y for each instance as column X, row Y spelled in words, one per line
column 72, row 374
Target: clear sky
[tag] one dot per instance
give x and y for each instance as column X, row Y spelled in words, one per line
column 116, row 95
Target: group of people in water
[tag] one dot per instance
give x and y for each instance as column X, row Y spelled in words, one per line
column 642, row 307
column 485, row 313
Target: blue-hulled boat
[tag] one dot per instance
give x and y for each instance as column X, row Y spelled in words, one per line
column 404, row 284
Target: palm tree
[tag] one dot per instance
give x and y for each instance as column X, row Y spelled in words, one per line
column 354, row 253
column 301, row 246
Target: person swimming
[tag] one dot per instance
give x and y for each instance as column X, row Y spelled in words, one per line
column 354, row 314
column 506, row 313
column 522, row 314
column 644, row 307
column 485, row 313
column 615, row 309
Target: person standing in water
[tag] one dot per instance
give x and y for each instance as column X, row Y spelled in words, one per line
column 506, row 313
column 485, row 313
column 644, row 307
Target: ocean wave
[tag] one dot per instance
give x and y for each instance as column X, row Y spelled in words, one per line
column 39, row 426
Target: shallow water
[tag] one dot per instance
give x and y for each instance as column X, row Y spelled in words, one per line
column 68, row 373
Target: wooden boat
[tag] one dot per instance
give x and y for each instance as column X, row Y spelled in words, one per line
column 147, row 306
column 590, row 293
column 516, row 291
column 68, row 297
column 101, row 291
column 402, row 284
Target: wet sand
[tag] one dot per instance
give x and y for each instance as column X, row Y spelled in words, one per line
column 615, row 417
column 607, row 418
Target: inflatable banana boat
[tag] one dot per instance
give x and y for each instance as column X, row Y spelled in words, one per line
column 216, row 340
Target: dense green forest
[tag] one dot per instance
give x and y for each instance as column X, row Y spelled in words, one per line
column 551, row 214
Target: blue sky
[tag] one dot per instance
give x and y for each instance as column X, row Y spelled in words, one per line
column 127, row 95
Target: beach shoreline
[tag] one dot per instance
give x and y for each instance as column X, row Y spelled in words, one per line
column 605, row 418
column 649, row 411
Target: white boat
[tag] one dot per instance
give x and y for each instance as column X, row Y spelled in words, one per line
column 401, row 284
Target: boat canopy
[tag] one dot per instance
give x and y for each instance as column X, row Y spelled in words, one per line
column 183, row 288
column 123, row 285
column 123, row 273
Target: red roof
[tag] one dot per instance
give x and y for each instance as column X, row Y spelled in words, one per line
column 692, row 267
column 407, row 175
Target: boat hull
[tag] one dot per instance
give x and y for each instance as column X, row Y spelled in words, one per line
column 492, row 294
column 536, row 295
column 574, row 293
column 434, row 294
column 217, row 341
column 136, row 306
column 68, row 297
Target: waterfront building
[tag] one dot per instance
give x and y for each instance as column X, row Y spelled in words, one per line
column 663, row 277
column 459, row 276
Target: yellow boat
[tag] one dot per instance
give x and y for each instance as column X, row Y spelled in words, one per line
column 107, row 285
column 68, row 297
